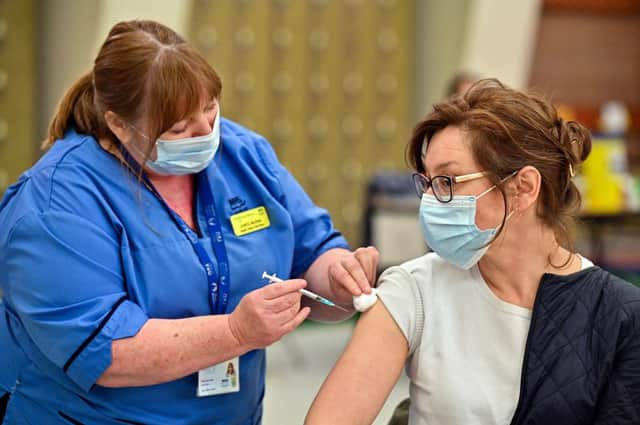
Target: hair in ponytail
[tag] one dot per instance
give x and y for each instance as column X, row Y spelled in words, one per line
column 77, row 109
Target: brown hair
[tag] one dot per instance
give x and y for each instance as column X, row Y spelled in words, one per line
column 143, row 68
column 507, row 130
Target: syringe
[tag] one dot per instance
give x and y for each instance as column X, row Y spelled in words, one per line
column 306, row 293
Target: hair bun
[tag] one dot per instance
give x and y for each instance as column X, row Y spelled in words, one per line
column 574, row 139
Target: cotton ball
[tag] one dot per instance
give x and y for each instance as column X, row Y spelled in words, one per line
column 365, row 301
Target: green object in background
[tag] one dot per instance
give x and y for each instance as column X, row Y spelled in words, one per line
column 401, row 413
column 631, row 277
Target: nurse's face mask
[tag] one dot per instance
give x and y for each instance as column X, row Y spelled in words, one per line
column 188, row 155
column 448, row 221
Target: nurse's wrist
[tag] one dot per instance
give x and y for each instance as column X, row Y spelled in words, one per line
column 238, row 340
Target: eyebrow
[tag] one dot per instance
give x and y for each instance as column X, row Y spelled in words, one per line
column 443, row 165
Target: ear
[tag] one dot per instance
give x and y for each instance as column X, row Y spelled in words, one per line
column 118, row 127
column 527, row 188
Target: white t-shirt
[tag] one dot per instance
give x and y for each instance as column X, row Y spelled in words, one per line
column 466, row 346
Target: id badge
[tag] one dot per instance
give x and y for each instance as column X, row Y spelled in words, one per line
column 250, row 221
column 222, row 378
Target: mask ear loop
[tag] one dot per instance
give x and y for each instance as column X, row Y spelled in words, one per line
column 509, row 215
column 137, row 149
column 133, row 145
column 486, row 191
column 494, row 186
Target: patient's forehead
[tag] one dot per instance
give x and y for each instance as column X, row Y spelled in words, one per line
column 449, row 152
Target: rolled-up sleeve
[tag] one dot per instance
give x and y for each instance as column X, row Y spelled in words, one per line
column 65, row 283
column 399, row 292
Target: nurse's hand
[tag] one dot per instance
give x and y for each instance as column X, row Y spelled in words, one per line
column 353, row 274
column 267, row 314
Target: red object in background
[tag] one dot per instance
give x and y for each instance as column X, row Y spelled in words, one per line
column 599, row 6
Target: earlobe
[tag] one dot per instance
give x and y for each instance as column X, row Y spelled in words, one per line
column 117, row 126
column 113, row 120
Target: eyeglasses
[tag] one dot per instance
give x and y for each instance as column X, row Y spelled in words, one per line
column 442, row 185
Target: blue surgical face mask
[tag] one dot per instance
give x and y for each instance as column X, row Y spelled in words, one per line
column 450, row 229
column 186, row 156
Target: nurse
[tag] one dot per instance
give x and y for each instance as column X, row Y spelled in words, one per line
column 131, row 254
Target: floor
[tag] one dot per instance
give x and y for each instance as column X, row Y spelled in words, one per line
column 298, row 364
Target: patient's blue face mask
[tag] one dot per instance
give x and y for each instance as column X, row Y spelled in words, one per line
column 450, row 228
column 188, row 155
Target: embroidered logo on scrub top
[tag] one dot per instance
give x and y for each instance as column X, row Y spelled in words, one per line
column 250, row 221
column 237, row 204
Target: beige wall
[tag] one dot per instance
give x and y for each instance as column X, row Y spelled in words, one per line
column 173, row 13
column 67, row 32
column 440, row 36
column 500, row 37
column 491, row 38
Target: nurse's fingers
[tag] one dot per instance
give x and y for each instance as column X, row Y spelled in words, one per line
column 341, row 281
column 254, row 324
column 284, row 302
column 368, row 258
column 296, row 321
column 278, row 289
column 356, row 274
column 286, row 315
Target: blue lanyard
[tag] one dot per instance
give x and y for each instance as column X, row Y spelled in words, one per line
column 218, row 282
column 219, row 292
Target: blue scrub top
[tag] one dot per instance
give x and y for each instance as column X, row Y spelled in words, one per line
column 88, row 255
